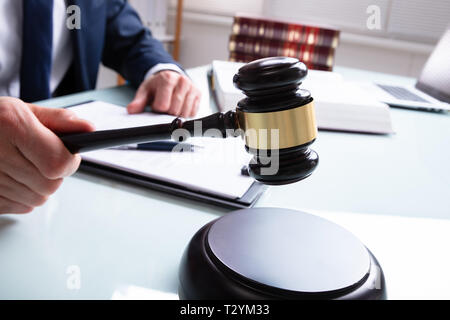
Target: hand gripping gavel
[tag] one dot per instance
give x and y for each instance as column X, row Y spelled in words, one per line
column 276, row 117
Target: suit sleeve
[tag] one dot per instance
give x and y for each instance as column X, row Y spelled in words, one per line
column 129, row 47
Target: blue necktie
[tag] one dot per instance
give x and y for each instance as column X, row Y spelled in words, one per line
column 37, row 41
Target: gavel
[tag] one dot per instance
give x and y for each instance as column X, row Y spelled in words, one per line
column 276, row 119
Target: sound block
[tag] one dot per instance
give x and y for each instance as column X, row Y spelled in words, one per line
column 273, row 253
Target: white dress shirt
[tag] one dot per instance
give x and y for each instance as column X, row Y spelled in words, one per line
column 11, row 16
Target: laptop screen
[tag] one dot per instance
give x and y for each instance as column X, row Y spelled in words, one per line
column 435, row 77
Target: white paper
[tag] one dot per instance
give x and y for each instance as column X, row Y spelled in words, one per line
column 139, row 293
column 215, row 168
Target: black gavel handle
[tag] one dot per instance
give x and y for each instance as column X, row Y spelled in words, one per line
column 89, row 141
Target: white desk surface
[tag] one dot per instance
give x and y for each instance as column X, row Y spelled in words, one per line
column 391, row 191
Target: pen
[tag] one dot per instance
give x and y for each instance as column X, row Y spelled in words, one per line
column 160, row 146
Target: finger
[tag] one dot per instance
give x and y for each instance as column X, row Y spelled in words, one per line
column 197, row 102
column 178, row 96
column 8, row 206
column 23, row 171
column 140, row 100
column 17, row 192
column 46, row 151
column 42, row 147
column 163, row 97
column 188, row 104
column 61, row 120
column 195, row 107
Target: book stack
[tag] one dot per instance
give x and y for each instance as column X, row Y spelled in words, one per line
column 254, row 38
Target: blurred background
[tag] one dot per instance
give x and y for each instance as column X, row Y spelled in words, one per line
column 392, row 36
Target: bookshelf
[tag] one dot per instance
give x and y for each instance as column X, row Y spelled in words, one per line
column 154, row 16
column 254, row 37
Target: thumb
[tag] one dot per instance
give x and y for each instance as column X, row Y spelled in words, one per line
column 61, row 120
column 140, row 100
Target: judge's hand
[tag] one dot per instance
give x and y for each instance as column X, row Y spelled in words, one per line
column 169, row 92
column 33, row 160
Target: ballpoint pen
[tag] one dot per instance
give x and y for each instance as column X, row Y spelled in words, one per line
column 159, row 146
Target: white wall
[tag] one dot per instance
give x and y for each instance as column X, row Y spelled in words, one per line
column 205, row 37
column 207, row 26
column 106, row 78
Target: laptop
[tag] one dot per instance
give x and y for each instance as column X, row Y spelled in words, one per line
column 431, row 91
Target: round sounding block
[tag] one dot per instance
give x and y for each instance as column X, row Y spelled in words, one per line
column 277, row 253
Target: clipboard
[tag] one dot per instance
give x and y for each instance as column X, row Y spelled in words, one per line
column 246, row 200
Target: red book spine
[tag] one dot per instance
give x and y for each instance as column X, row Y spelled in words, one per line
column 285, row 31
column 243, row 57
column 308, row 53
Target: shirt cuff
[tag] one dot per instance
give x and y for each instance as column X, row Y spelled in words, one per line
column 163, row 66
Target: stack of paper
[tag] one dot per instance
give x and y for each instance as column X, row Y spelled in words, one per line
column 227, row 96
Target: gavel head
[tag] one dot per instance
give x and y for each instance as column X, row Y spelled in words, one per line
column 278, row 120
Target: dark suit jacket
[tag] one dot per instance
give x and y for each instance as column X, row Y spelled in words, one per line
column 111, row 32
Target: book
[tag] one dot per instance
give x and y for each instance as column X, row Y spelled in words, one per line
column 285, row 31
column 312, row 55
column 224, row 93
column 340, row 105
